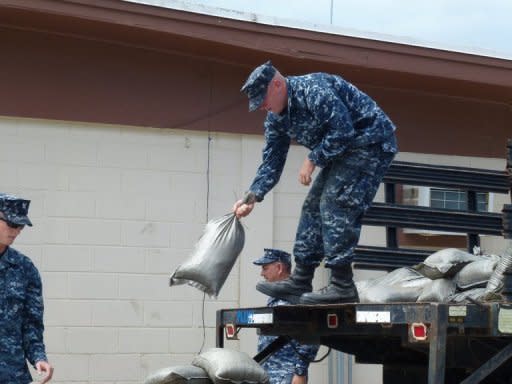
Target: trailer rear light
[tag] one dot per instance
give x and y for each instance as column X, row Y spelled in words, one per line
column 332, row 320
column 419, row 331
column 230, row 331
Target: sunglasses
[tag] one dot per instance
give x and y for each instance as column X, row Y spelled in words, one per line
column 10, row 224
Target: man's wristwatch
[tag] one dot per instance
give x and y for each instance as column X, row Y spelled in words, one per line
column 299, row 371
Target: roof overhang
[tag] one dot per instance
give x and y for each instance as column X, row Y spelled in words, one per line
column 362, row 61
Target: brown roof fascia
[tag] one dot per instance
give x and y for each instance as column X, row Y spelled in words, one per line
column 138, row 24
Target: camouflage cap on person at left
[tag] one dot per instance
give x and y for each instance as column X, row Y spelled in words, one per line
column 14, row 209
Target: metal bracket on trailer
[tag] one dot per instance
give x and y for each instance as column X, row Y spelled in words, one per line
column 437, row 351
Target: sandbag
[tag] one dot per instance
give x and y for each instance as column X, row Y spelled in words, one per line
column 461, row 297
column 406, row 276
column 180, row 374
column 400, row 285
column 445, row 263
column 213, row 257
column 438, row 291
column 226, row 366
column 477, row 273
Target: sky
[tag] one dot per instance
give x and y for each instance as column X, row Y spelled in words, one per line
column 472, row 26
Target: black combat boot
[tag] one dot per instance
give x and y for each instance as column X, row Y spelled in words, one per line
column 291, row 288
column 341, row 289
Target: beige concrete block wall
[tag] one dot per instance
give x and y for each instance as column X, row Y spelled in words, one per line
column 116, row 209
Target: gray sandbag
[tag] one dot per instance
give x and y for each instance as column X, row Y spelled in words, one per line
column 400, row 285
column 445, row 263
column 462, row 297
column 226, row 366
column 213, row 257
column 180, row 374
column 390, row 294
column 362, row 286
column 438, row 291
column 406, row 276
column 477, row 273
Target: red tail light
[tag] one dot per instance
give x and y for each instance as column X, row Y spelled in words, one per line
column 332, row 320
column 419, row 331
column 230, row 331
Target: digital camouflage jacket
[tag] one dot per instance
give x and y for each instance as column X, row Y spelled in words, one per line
column 21, row 317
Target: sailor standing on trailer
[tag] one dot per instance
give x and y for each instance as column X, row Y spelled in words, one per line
column 352, row 140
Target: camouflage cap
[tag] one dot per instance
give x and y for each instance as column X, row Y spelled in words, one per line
column 273, row 255
column 14, row 209
column 255, row 86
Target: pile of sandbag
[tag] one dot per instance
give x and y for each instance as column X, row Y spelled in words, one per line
column 448, row 275
column 217, row 366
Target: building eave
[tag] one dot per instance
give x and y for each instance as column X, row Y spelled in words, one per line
column 373, row 62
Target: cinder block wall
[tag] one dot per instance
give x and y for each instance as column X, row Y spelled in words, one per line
column 116, row 209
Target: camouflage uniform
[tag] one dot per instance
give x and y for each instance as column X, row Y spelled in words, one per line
column 351, row 139
column 21, row 317
column 21, row 302
column 285, row 362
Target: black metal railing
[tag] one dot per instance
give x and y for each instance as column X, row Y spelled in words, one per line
column 470, row 222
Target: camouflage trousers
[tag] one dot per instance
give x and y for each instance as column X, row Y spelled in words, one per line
column 330, row 222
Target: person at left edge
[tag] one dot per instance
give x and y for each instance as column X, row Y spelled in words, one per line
column 21, row 301
column 290, row 364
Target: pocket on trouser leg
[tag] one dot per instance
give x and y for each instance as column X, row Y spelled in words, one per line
column 286, row 379
column 358, row 178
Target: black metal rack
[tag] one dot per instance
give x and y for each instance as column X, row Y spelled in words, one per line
column 471, row 222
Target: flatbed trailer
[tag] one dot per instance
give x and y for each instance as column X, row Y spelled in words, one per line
column 415, row 342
